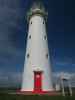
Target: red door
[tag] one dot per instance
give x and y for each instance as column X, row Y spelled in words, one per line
column 37, row 81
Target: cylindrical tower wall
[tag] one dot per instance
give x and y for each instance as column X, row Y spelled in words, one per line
column 37, row 55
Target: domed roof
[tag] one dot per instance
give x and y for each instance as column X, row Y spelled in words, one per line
column 37, row 9
column 37, row 5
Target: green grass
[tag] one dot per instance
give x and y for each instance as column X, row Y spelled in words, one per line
column 5, row 96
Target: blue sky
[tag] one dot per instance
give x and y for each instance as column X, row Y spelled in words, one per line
column 13, row 33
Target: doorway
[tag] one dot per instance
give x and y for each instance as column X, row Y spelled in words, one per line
column 37, row 81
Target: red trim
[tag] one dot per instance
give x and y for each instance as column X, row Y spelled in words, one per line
column 51, row 93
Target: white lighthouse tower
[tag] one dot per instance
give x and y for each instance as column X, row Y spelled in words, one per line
column 37, row 76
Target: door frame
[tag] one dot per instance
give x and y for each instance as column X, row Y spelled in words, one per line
column 38, row 73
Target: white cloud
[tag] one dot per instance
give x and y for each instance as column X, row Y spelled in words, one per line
column 16, row 76
column 58, row 74
column 10, row 15
column 10, row 79
column 71, row 76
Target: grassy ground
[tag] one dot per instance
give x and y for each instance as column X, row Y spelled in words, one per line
column 5, row 96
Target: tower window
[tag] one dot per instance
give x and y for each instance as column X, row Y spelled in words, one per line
column 43, row 22
column 29, row 36
column 28, row 55
column 31, row 22
column 46, row 55
column 45, row 37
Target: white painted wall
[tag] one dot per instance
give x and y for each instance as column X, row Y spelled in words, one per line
column 37, row 47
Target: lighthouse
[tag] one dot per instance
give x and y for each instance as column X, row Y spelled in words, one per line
column 37, row 74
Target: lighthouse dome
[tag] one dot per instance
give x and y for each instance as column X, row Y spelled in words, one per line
column 37, row 6
column 37, row 9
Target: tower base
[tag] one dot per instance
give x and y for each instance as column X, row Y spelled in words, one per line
column 51, row 93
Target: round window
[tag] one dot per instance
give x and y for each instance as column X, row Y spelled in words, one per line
column 45, row 37
column 43, row 22
column 46, row 55
column 38, row 76
column 31, row 22
column 28, row 55
column 29, row 36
